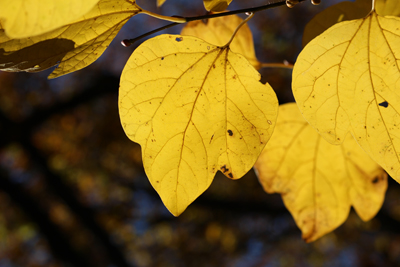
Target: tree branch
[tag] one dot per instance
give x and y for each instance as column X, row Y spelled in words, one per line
column 128, row 42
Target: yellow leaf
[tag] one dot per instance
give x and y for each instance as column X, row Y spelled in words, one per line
column 216, row 5
column 74, row 46
column 218, row 31
column 26, row 18
column 387, row 7
column 348, row 78
column 318, row 181
column 160, row 2
column 195, row 108
column 342, row 11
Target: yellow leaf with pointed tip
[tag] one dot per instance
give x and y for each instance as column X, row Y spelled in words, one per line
column 216, row 5
column 74, row 46
column 318, row 181
column 342, row 11
column 26, row 18
column 195, row 108
column 218, row 31
column 160, row 2
column 387, row 7
column 348, row 79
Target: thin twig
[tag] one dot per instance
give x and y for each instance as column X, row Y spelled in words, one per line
column 284, row 65
column 128, row 42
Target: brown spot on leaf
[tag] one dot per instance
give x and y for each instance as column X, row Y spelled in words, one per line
column 224, row 169
column 230, row 175
column 230, row 132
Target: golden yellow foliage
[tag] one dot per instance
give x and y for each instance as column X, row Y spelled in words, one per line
column 347, row 79
column 218, row 31
column 73, row 46
column 342, row 11
column 216, row 5
column 195, row 108
column 387, row 7
column 26, row 18
column 318, row 181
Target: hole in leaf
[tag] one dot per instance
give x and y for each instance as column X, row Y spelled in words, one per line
column 384, row 104
column 179, row 39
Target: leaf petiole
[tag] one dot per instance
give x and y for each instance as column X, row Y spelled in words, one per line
column 249, row 16
column 284, row 65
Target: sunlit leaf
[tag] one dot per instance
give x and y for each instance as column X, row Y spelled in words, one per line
column 195, row 108
column 342, row 11
column 160, row 2
column 74, row 46
column 216, row 5
column 218, row 31
column 25, row 18
column 387, row 7
column 348, row 79
column 319, row 181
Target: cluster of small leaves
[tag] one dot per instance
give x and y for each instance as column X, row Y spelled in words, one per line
column 195, row 103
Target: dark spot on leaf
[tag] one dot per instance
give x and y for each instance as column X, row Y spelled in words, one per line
column 162, row 58
column 384, row 104
column 376, row 180
column 230, row 175
column 230, row 132
column 224, row 169
column 178, row 39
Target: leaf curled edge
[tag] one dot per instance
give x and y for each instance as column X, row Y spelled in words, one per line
column 73, row 46
column 27, row 18
column 195, row 108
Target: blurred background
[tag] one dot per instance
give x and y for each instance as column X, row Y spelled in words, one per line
column 73, row 191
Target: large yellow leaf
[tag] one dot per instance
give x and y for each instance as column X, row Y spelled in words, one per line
column 195, row 108
column 25, row 18
column 319, row 181
column 74, row 46
column 218, row 31
column 348, row 79
column 216, row 5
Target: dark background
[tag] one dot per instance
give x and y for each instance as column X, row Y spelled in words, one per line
column 73, row 191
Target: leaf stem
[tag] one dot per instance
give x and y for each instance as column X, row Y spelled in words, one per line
column 284, row 65
column 128, row 42
column 249, row 16
column 372, row 8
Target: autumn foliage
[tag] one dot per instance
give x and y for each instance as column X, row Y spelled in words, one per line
column 195, row 104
